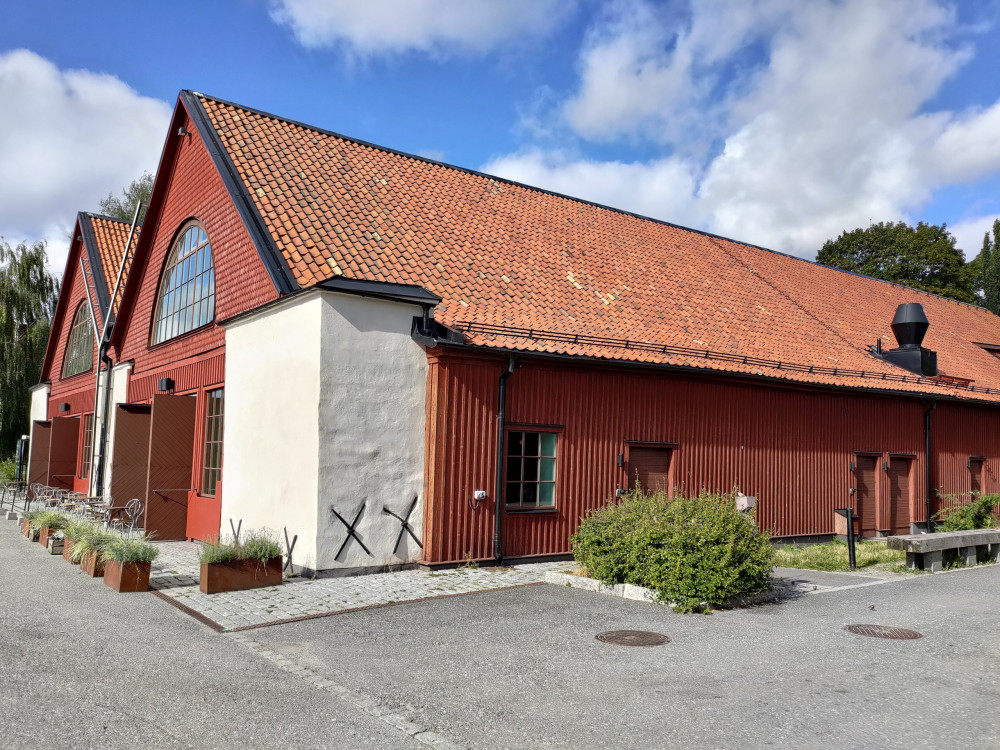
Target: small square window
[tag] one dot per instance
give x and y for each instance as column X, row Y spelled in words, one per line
column 531, row 470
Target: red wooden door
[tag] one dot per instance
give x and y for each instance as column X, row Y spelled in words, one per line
column 899, row 495
column 650, row 467
column 865, row 481
column 130, row 457
column 64, row 443
column 38, row 463
column 171, row 454
column 975, row 475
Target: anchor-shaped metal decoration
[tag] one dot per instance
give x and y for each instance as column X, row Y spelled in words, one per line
column 405, row 522
column 350, row 531
column 290, row 548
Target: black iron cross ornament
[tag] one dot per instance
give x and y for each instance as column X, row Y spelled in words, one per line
column 405, row 525
column 350, row 531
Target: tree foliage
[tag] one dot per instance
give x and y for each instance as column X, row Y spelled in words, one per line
column 986, row 270
column 923, row 257
column 28, row 295
column 124, row 208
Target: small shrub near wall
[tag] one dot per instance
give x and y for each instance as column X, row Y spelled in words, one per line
column 975, row 514
column 691, row 550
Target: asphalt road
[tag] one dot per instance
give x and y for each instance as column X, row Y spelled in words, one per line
column 521, row 668
column 84, row 667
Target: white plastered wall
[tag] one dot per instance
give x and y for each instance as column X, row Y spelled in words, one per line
column 371, row 440
column 39, row 410
column 325, row 409
column 120, row 375
column 270, row 442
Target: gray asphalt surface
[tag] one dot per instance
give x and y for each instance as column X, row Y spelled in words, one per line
column 521, row 668
column 84, row 667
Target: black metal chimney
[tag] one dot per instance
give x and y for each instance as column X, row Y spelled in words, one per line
column 909, row 325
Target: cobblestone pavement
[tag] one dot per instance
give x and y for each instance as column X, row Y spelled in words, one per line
column 175, row 574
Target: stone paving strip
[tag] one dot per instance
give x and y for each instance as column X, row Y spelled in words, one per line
column 175, row 575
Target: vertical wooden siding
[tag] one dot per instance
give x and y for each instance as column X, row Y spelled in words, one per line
column 960, row 432
column 790, row 448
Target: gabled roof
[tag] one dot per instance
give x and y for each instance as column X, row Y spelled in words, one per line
column 523, row 269
column 101, row 240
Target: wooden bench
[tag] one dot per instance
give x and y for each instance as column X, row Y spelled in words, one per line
column 926, row 551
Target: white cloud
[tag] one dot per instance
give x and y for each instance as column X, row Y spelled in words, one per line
column 660, row 189
column 430, row 26
column 794, row 121
column 67, row 139
column 969, row 233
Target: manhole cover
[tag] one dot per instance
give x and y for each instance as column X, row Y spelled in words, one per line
column 633, row 638
column 884, row 631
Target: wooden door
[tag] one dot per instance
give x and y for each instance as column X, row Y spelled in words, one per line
column 38, row 462
column 130, row 453
column 975, row 475
column 171, row 454
column 650, row 467
column 64, row 444
column 865, row 482
column 899, row 495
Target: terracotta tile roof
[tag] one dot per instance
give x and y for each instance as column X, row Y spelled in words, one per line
column 504, row 255
column 110, row 236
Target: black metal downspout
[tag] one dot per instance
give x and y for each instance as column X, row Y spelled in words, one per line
column 927, row 464
column 498, row 497
column 99, row 469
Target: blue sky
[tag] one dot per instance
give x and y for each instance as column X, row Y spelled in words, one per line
column 776, row 122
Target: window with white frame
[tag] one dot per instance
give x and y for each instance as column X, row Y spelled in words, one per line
column 79, row 355
column 186, row 300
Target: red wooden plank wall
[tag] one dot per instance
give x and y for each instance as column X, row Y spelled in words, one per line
column 791, row 448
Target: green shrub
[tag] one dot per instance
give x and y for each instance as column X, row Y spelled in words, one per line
column 126, row 550
column 95, row 538
column 690, row 550
column 8, row 469
column 976, row 514
column 256, row 545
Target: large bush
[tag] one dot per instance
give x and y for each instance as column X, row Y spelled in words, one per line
column 690, row 550
column 976, row 514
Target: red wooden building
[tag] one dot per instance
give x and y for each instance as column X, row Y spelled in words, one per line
column 399, row 360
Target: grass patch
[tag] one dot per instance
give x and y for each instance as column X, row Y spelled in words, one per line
column 260, row 545
column 833, row 555
column 125, row 550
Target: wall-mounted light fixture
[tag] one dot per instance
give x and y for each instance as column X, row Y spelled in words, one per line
column 64, row 406
column 183, row 131
column 621, row 460
column 166, row 385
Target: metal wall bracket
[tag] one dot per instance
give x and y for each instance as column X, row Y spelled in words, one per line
column 405, row 525
column 351, row 533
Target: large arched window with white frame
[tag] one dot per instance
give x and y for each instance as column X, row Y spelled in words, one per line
column 79, row 355
column 187, row 288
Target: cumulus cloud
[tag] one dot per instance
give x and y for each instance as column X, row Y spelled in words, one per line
column 429, row 26
column 67, row 139
column 969, row 233
column 794, row 120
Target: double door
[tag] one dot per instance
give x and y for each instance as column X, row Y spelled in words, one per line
column 883, row 493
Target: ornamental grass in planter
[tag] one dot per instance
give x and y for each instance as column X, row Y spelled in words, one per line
column 88, row 546
column 49, row 522
column 234, row 565
column 74, row 530
column 29, row 526
column 127, row 564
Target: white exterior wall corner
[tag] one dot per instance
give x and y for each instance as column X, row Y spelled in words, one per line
column 271, row 437
column 121, row 374
column 371, row 432
column 40, row 401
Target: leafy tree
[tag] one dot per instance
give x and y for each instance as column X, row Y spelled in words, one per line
column 986, row 270
column 923, row 257
column 28, row 294
column 123, row 208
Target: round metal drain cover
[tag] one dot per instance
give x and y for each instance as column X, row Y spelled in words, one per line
column 633, row 638
column 884, row 631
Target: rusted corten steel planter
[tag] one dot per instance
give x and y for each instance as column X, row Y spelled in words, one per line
column 67, row 552
column 127, row 578
column 43, row 535
column 238, row 575
column 31, row 536
column 92, row 565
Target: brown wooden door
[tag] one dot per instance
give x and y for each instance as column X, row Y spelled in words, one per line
column 38, row 463
column 865, row 480
column 171, row 454
column 130, row 457
column 975, row 475
column 64, row 443
column 650, row 467
column 899, row 495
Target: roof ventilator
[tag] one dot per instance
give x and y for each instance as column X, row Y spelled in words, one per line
column 909, row 325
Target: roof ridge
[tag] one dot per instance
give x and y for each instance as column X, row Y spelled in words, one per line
column 535, row 188
column 93, row 215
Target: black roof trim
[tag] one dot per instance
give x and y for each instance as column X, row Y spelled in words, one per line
column 410, row 293
column 536, row 189
column 274, row 261
column 96, row 267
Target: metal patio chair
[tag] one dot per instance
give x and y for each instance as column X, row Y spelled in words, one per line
column 127, row 520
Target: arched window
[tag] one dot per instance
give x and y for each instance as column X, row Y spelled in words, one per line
column 187, row 289
column 79, row 355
